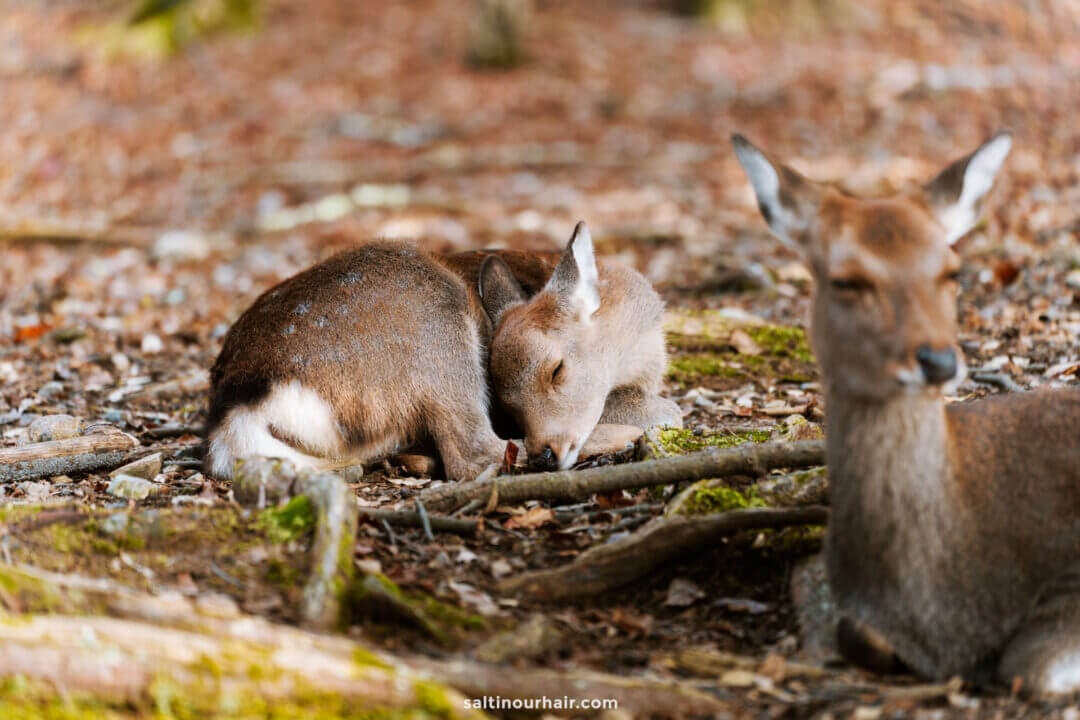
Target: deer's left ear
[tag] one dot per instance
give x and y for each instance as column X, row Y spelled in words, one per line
column 575, row 279
column 956, row 194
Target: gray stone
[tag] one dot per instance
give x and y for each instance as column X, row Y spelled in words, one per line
column 131, row 487
column 53, row 427
column 146, row 467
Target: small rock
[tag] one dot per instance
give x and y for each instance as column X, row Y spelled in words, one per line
column 152, row 344
column 132, row 488
column 53, row 427
column 34, row 492
column 181, row 245
column 145, row 467
column 114, row 524
column 50, row 390
column 606, row 439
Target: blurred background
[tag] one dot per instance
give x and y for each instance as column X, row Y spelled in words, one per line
column 163, row 162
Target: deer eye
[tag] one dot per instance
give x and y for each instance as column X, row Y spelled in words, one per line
column 849, row 285
column 951, row 276
column 557, row 373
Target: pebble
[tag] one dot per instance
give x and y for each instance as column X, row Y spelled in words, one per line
column 132, row 488
column 53, row 427
column 50, row 389
column 145, row 467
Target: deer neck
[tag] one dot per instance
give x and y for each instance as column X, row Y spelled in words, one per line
column 629, row 330
column 882, row 452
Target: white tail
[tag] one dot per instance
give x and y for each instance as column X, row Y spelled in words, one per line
column 955, row 530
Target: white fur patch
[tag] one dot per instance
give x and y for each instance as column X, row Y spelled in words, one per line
column 586, row 295
column 292, row 410
column 1062, row 675
column 978, row 179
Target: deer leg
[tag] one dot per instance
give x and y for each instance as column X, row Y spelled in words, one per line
column 1044, row 653
column 631, row 405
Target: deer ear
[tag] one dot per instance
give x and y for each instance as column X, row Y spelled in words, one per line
column 499, row 289
column 575, row 279
column 956, row 194
column 788, row 201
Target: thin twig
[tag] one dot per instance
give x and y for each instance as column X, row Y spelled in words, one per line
column 425, row 521
column 409, row 518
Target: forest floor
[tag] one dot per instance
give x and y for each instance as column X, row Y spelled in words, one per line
column 144, row 205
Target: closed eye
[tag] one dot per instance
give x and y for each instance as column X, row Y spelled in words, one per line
column 557, row 373
column 849, row 285
column 952, row 276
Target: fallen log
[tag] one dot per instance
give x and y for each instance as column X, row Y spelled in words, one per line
column 607, row 567
column 102, row 663
column 213, row 657
column 747, row 459
column 100, row 446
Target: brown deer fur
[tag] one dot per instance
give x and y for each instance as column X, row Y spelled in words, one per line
column 383, row 347
column 955, row 530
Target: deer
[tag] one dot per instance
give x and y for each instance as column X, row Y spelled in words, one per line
column 385, row 347
column 953, row 545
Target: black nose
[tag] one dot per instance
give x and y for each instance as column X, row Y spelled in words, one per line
column 938, row 366
column 545, row 460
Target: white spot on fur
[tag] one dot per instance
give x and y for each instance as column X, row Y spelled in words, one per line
column 291, row 409
column 289, row 330
column 1062, row 676
column 303, row 308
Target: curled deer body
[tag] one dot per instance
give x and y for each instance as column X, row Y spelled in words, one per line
column 383, row 347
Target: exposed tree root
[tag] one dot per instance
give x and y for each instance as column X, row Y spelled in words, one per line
column 607, row 567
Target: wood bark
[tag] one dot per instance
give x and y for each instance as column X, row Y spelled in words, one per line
column 100, row 446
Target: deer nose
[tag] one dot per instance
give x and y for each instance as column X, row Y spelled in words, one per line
column 938, row 366
column 545, row 460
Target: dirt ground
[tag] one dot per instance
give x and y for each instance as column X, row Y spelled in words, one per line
column 144, row 204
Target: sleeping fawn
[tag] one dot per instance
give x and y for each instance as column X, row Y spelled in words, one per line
column 954, row 541
column 385, row 347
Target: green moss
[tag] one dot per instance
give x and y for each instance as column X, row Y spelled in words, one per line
column 432, row 698
column 679, row 441
column 288, row 522
column 709, row 500
column 366, row 658
column 781, row 341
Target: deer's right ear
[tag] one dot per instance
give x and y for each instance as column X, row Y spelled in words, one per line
column 499, row 289
column 787, row 200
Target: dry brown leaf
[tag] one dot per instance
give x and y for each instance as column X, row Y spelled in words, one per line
column 743, row 343
column 531, row 519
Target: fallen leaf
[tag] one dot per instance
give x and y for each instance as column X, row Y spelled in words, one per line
column 683, row 593
column 743, row 343
column 510, row 456
column 629, row 622
column 531, row 519
column 479, row 601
